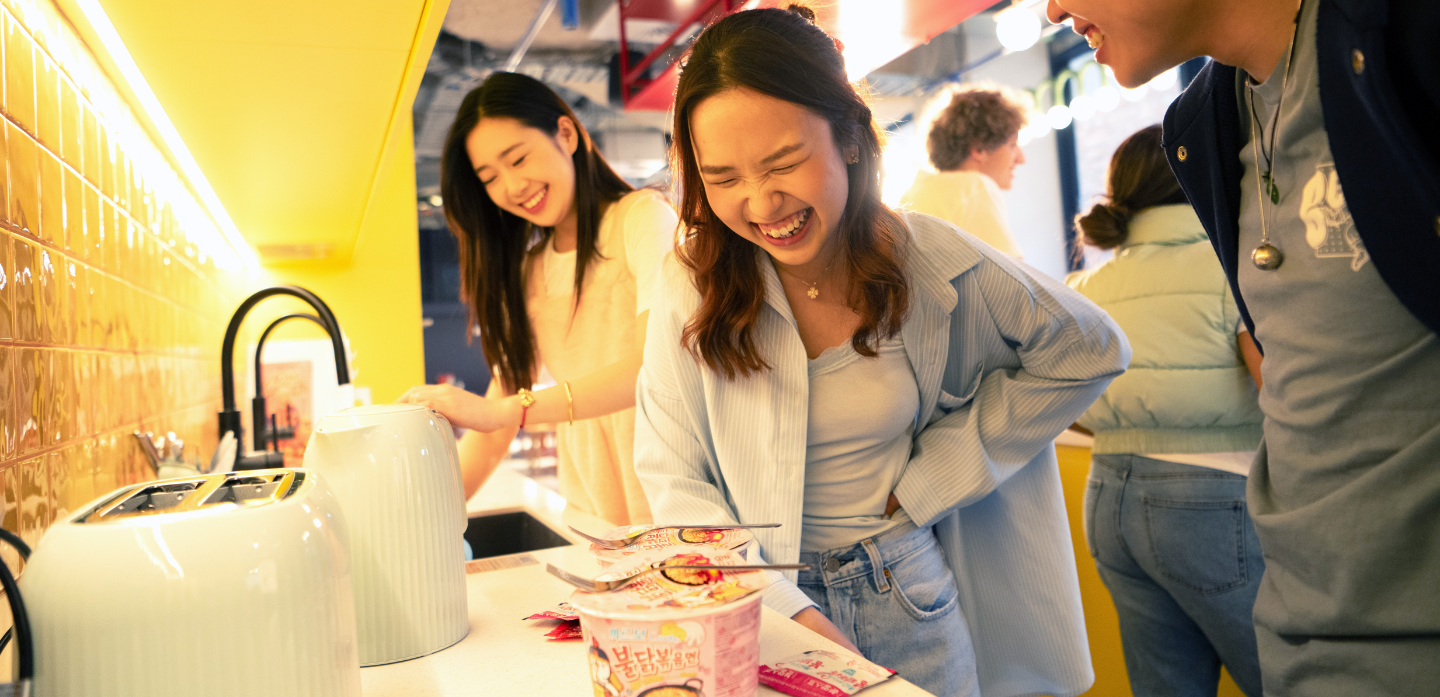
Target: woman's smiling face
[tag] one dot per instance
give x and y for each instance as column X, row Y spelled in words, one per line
column 526, row 171
column 772, row 173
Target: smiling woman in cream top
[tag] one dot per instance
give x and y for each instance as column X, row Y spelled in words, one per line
column 558, row 255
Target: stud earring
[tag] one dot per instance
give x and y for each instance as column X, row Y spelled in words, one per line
column 854, row 159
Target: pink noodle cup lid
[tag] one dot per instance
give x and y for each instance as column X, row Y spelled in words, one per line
column 673, row 594
column 725, row 538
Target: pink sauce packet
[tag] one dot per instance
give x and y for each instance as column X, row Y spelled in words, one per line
column 566, row 631
column 822, row 674
column 563, row 611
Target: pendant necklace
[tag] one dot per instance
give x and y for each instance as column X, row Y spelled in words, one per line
column 1266, row 256
column 813, row 292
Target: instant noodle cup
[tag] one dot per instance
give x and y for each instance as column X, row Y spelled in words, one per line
column 677, row 633
column 725, row 538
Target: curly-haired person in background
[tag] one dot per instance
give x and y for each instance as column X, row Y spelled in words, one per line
column 974, row 144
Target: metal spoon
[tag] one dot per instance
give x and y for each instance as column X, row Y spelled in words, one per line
column 622, row 542
column 614, row 584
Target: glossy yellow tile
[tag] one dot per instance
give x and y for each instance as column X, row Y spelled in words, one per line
column 107, row 462
column 47, row 101
column 23, row 292
column 74, row 222
column 52, row 199
column 8, row 436
column 102, row 402
column 72, row 124
column 47, row 305
column 70, row 322
column 122, row 177
column 61, row 377
column 24, row 191
column 94, row 306
column 7, row 268
column 10, row 503
column 29, row 404
column 74, row 477
column 93, row 233
column 83, row 369
column 105, row 148
column 19, row 75
column 117, row 257
column 36, row 498
column 90, row 145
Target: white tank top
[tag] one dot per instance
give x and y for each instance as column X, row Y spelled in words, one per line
column 862, row 416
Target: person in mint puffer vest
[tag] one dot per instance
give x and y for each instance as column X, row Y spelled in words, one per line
column 1165, row 507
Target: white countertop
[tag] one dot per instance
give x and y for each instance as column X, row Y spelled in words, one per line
column 504, row 655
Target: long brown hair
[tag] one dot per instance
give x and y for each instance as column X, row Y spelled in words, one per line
column 494, row 244
column 1139, row 178
column 782, row 54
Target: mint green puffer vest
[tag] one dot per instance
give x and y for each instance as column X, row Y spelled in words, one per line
column 1187, row 389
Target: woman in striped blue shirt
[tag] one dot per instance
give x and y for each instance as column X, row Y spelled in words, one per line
column 885, row 386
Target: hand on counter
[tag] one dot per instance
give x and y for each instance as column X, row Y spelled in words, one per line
column 815, row 621
column 466, row 409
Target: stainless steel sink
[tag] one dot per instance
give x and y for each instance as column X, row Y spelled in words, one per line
column 509, row 533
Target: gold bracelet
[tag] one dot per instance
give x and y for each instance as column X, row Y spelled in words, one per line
column 527, row 398
column 570, row 402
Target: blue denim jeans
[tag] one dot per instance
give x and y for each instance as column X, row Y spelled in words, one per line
column 894, row 597
column 1175, row 545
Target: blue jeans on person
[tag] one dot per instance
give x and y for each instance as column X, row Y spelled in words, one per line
column 1175, row 545
column 893, row 596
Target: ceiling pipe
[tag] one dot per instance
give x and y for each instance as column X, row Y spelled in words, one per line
column 518, row 53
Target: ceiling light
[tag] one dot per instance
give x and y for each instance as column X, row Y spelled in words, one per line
column 1134, row 95
column 1017, row 27
column 1165, row 80
column 436, row 200
column 1082, row 107
column 1058, row 117
column 1106, row 98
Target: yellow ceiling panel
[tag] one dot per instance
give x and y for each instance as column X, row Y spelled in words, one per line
column 285, row 105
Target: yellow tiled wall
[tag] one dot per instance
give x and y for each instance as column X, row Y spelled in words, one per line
column 112, row 298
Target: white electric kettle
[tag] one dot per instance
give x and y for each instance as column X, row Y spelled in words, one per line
column 396, row 475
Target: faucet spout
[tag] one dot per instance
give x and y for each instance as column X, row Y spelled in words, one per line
column 230, row 416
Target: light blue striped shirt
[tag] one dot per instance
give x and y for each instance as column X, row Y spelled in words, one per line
column 1005, row 359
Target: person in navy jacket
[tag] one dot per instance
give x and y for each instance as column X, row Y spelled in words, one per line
column 1308, row 147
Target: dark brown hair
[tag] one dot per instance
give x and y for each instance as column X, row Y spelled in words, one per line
column 978, row 116
column 494, row 244
column 1139, row 178
column 782, row 54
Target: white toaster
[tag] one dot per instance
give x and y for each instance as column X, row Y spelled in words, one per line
column 223, row 585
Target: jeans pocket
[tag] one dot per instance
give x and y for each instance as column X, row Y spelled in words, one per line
column 1198, row 544
column 1092, row 499
column 923, row 585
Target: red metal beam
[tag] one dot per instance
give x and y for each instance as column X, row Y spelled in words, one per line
column 924, row 19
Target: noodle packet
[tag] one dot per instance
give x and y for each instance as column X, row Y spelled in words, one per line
column 564, row 611
column 822, row 674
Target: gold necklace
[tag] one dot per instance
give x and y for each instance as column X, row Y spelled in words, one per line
column 813, row 292
column 1266, row 256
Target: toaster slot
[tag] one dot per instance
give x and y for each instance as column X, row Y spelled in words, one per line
column 242, row 489
column 155, row 498
column 254, row 490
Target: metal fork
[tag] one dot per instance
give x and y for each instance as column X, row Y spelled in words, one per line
column 624, row 542
column 597, row 586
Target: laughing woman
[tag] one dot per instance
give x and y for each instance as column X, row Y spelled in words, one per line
column 885, row 386
column 557, row 256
